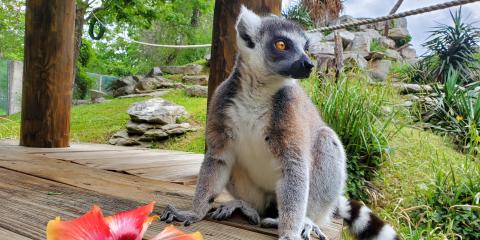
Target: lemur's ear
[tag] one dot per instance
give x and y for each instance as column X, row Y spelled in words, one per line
column 247, row 25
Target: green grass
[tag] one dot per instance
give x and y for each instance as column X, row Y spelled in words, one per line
column 376, row 46
column 96, row 123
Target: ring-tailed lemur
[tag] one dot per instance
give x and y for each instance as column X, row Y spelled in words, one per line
column 268, row 145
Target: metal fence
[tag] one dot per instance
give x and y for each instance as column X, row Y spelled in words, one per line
column 102, row 82
column 4, row 87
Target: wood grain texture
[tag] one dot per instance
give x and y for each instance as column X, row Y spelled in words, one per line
column 28, row 203
column 8, row 235
column 224, row 35
column 47, row 165
column 48, row 73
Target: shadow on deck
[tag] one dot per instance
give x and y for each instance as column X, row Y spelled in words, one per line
column 39, row 184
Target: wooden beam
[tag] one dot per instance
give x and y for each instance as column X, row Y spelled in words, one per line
column 224, row 35
column 48, row 73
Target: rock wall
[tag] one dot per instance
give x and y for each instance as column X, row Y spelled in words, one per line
column 367, row 43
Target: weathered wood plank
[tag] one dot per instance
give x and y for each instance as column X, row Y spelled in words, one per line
column 28, row 203
column 8, row 235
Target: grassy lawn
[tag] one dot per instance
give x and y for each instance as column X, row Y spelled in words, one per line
column 96, row 123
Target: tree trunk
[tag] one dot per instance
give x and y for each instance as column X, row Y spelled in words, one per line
column 195, row 19
column 48, row 73
column 80, row 11
column 224, row 35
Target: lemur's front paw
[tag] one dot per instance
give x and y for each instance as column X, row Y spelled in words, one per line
column 310, row 227
column 226, row 210
column 171, row 214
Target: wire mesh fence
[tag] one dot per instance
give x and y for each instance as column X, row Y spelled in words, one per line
column 3, row 87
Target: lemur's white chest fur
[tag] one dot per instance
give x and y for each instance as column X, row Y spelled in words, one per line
column 250, row 116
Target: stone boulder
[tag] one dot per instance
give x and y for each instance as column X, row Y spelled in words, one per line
column 387, row 42
column 360, row 45
column 189, row 69
column 123, row 139
column 196, row 91
column 96, row 94
column 165, row 131
column 392, row 54
column 156, row 71
column 380, row 69
column 398, row 33
column 135, row 128
column 123, row 86
column 322, row 48
column 195, row 80
column 355, row 59
column 410, row 88
column 409, row 53
column 347, row 37
column 156, row 110
column 370, row 33
column 153, row 83
column 154, row 135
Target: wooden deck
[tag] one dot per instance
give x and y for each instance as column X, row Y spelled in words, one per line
column 36, row 185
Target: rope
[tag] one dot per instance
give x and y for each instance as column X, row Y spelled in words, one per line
column 397, row 15
column 152, row 44
column 432, row 8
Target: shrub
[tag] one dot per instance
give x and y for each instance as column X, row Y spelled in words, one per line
column 353, row 110
column 298, row 13
column 82, row 81
column 452, row 48
column 456, row 112
column 376, row 46
column 451, row 202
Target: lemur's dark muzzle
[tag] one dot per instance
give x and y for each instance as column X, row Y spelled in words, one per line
column 301, row 68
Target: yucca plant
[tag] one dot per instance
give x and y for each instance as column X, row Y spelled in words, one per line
column 456, row 112
column 453, row 48
column 298, row 13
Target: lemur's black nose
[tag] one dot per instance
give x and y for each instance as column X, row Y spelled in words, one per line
column 307, row 64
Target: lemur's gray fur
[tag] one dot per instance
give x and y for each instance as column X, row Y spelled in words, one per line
column 268, row 146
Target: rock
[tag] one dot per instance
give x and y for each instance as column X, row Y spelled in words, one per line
column 412, row 97
column 361, row 45
column 370, row 33
column 100, row 100
column 80, row 102
column 148, row 83
column 396, row 23
column 387, row 42
column 149, row 94
column 156, row 110
column 380, row 70
column 196, row 91
column 409, row 53
column 414, row 88
column 405, row 104
column 140, row 128
column 355, row 59
column 156, row 71
column 346, row 19
column 177, row 129
column 392, row 54
column 154, row 135
column 123, row 139
column 386, row 110
column 189, row 69
column 375, row 56
column 398, row 33
column 322, row 47
column 325, row 62
column 95, row 94
column 347, row 37
column 123, row 86
column 195, row 80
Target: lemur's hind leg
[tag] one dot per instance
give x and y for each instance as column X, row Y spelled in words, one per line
column 309, row 227
column 226, row 210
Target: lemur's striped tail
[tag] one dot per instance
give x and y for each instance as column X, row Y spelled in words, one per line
column 363, row 223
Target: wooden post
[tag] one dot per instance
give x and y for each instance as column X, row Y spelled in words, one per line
column 338, row 55
column 48, row 73
column 224, row 35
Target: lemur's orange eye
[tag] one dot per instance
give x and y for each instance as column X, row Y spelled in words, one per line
column 280, row 45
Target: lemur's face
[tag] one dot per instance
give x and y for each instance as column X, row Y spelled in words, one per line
column 273, row 45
